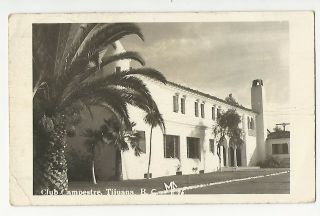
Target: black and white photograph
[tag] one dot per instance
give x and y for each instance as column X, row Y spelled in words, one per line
column 166, row 109
column 122, row 108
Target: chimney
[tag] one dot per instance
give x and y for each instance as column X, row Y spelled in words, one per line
column 257, row 103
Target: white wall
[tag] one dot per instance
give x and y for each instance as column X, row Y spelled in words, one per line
column 182, row 125
column 269, row 143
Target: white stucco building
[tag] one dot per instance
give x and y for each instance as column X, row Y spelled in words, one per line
column 190, row 146
column 278, row 146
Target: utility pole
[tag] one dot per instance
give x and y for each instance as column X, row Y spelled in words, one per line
column 284, row 124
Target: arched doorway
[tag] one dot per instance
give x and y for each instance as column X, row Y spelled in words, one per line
column 239, row 162
column 223, row 143
column 224, row 156
column 231, row 155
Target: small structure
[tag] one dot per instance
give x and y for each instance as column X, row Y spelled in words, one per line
column 278, row 146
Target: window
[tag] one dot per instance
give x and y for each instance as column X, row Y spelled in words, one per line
column 183, row 105
column 196, row 109
column 213, row 113
column 250, row 123
column 175, row 103
column 275, row 149
column 211, row 145
column 202, row 110
column 285, row 149
column 171, row 146
column 280, row 148
column 193, row 147
column 118, row 69
column 142, row 141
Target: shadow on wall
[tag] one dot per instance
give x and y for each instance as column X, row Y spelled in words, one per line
column 198, row 132
column 78, row 156
column 254, row 159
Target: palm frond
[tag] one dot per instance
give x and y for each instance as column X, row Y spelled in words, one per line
column 124, row 55
column 44, row 50
column 115, row 80
column 80, row 77
column 149, row 73
column 67, row 56
column 65, row 38
column 120, row 111
column 104, row 35
column 154, row 118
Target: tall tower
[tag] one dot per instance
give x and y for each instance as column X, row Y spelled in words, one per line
column 257, row 103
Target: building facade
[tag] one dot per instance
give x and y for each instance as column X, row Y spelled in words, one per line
column 189, row 145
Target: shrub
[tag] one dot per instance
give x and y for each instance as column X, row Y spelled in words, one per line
column 270, row 162
column 79, row 168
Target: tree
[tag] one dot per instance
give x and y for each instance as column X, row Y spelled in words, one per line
column 115, row 134
column 228, row 125
column 69, row 77
column 277, row 129
column 154, row 119
column 231, row 100
column 93, row 138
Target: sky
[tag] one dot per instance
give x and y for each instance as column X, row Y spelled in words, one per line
column 222, row 58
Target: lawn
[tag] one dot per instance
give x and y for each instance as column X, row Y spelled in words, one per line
column 135, row 186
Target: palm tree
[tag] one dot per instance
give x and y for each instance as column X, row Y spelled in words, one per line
column 94, row 137
column 154, row 119
column 218, row 131
column 115, row 134
column 69, row 77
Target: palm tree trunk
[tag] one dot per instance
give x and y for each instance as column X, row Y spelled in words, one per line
column 219, row 155
column 119, row 175
column 92, row 165
column 50, row 164
column 148, row 173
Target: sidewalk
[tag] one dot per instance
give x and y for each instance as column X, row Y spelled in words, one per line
column 157, row 184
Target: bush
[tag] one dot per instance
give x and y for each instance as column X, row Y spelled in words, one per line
column 270, row 162
column 79, row 166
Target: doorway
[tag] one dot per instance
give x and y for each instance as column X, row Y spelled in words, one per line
column 239, row 162
column 231, row 156
column 224, row 156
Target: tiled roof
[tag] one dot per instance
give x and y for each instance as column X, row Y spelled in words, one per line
column 279, row 135
column 208, row 96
